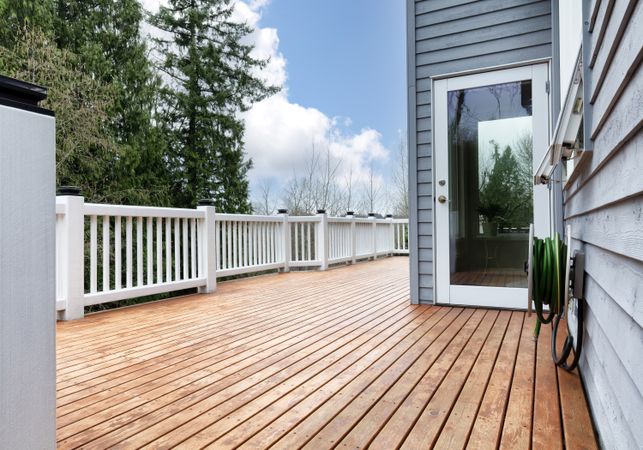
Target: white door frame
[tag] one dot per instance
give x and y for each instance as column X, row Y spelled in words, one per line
column 502, row 297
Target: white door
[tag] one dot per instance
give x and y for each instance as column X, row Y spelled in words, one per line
column 490, row 129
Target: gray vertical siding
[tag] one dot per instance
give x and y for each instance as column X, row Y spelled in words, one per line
column 448, row 36
column 604, row 206
column 27, row 297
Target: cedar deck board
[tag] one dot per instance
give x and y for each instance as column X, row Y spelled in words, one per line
column 311, row 358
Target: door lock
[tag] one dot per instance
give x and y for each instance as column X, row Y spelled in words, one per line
column 442, row 199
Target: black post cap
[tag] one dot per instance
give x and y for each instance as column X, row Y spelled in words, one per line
column 321, row 211
column 282, row 211
column 68, row 190
column 350, row 213
column 389, row 216
column 206, row 202
column 371, row 214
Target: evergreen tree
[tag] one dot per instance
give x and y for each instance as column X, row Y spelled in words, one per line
column 210, row 78
column 85, row 149
column 105, row 34
column 505, row 192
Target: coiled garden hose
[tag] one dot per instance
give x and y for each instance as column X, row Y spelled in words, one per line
column 548, row 269
column 549, row 265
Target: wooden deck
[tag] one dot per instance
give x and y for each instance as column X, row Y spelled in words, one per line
column 314, row 360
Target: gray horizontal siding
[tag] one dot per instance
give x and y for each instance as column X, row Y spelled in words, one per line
column 604, row 207
column 447, row 36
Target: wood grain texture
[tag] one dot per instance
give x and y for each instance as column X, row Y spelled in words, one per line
column 315, row 359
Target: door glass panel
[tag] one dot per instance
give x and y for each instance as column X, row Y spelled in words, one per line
column 490, row 183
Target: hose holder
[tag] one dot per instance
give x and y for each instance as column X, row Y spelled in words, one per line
column 576, row 287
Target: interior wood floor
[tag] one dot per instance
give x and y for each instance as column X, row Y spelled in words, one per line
column 314, row 360
column 491, row 277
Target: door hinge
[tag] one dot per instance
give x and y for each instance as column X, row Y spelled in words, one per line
column 547, row 86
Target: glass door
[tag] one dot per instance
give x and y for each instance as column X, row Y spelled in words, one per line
column 488, row 129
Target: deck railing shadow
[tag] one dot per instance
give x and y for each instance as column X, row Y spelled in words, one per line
column 107, row 253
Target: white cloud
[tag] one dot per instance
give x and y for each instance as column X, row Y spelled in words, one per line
column 280, row 133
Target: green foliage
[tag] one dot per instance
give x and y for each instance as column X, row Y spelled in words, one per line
column 85, row 148
column 106, row 37
column 209, row 80
column 506, row 189
column 122, row 135
column 16, row 15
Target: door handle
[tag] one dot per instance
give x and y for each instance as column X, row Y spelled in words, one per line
column 442, row 199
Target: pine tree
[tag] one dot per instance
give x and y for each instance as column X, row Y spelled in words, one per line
column 210, row 78
column 85, row 149
column 105, row 34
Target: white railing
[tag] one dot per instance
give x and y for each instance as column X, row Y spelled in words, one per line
column 106, row 253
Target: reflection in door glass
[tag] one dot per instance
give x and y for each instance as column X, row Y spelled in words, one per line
column 490, row 183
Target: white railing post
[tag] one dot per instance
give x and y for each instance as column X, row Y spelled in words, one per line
column 351, row 215
column 322, row 240
column 285, row 239
column 207, row 246
column 373, row 235
column 71, row 253
column 391, row 230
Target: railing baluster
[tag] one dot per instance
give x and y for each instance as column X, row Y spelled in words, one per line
column 168, row 249
column 218, row 247
column 159, row 250
column 309, row 254
column 139, row 251
column 193, row 247
column 185, row 249
column 117, row 253
column 93, row 254
column 255, row 244
column 296, row 224
column 228, row 232
column 235, row 244
column 273, row 233
column 106, row 253
column 150, row 252
column 265, row 242
column 128, row 252
column 177, row 250
column 245, row 244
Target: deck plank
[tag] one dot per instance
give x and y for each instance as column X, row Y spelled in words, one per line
column 516, row 431
column 547, row 432
column 578, row 431
column 312, row 359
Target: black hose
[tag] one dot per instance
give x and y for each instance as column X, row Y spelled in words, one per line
column 561, row 361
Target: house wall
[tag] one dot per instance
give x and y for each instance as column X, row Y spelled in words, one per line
column 446, row 36
column 27, row 298
column 603, row 204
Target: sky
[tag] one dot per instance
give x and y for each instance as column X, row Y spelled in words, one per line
column 341, row 65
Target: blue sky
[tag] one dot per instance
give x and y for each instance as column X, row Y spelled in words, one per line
column 346, row 58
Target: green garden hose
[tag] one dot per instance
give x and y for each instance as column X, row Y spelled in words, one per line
column 548, row 271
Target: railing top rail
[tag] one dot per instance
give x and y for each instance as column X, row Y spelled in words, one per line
column 94, row 209
column 304, row 218
column 340, row 219
column 248, row 218
column 400, row 220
